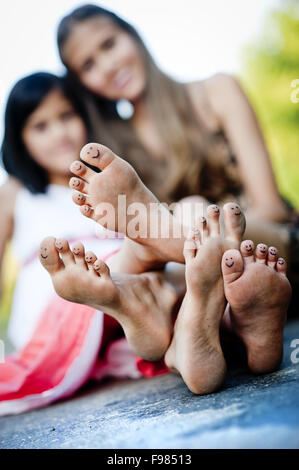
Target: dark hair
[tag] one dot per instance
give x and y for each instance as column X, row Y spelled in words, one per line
column 24, row 98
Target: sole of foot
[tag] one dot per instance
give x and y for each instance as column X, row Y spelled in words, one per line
column 112, row 198
column 258, row 292
column 195, row 351
column 143, row 304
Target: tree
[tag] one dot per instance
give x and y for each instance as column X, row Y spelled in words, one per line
column 270, row 76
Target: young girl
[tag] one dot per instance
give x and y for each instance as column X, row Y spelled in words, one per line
column 184, row 139
column 44, row 132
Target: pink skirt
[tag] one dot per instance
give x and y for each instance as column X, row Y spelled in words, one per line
column 72, row 344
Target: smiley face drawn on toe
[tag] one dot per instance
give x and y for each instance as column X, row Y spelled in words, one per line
column 76, row 251
column 216, row 209
column 76, row 183
column 86, row 209
column 272, row 251
column 59, row 245
column 95, row 156
column 262, row 249
column 89, row 258
column 229, row 263
column 80, row 198
column 77, row 166
column 249, row 247
column 236, row 209
column 280, row 261
column 43, row 251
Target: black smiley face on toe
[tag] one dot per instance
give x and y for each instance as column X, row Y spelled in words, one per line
column 236, row 209
column 80, row 198
column 249, row 247
column 262, row 249
column 76, row 183
column 89, row 258
column 44, row 252
column 229, row 262
column 280, row 261
column 76, row 251
column 91, row 150
column 273, row 251
column 86, row 209
column 78, row 166
column 215, row 209
column 59, row 245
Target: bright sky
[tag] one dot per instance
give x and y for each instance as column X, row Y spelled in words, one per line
column 189, row 39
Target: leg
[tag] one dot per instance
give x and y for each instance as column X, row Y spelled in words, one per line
column 195, row 350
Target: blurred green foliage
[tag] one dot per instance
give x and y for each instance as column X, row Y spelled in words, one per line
column 9, row 275
column 269, row 66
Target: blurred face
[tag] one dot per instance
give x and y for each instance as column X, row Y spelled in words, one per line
column 54, row 134
column 106, row 59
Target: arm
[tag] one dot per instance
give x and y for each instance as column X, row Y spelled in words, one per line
column 8, row 192
column 236, row 116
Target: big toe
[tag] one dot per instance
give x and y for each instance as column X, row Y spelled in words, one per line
column 232, row 266
column 48, row 255
column 97, row 155
column 234, row 222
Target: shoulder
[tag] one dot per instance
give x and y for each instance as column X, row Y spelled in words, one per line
column 220, row 89
column 8, row 193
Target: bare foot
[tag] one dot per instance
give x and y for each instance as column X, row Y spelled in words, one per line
column 143, row 304
column 195, row 350
column 259, row 293
column 98, row 195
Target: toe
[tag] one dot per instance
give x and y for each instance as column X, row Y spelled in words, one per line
column 234, row 222
column 78, row 185
column 101, row 268
column 213, row 213
column 79, row 199
column 272, row 256
column 97, row 155
column 87, row 211
column 81, row 170
column 232, row 266
column 261, row 253
column 281, row 266
column 79, row 254
column 64, row 250
column 189, row 249
column 49, row 257
column 247, row 251
column 202, row 226
column 90, row 258
column 190, row 245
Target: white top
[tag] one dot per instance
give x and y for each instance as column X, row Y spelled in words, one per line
column 37, row 216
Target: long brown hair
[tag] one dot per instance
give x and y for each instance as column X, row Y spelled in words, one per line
column 192, row 161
